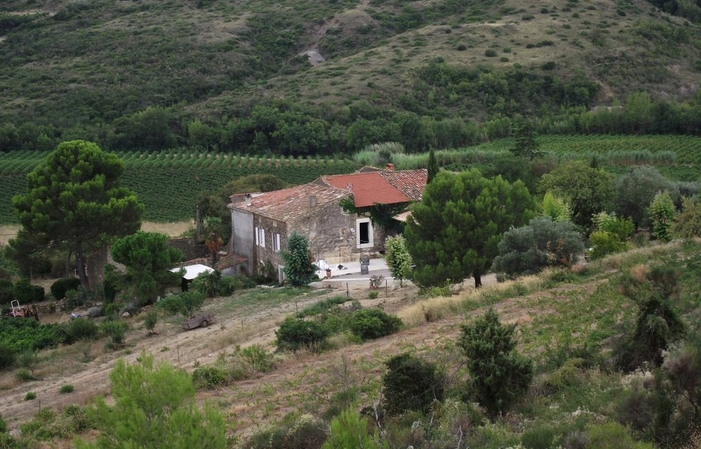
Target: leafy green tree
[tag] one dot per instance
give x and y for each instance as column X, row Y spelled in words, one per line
column 432, row 166
column 398, row 258
column 299, row 269
column 556, row 208
column 525, row 145
column 635, row 190
column 687, row 223
column 587, row 189
column 499, row 376
column 410, row 384
column 661, row 213
column 542, row 243
column 148, row 259
column 154, row 407
column 612, row 235
column 73, row 196
column 454, row 231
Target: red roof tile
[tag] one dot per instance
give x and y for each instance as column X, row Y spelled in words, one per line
column 410, row 182
column 367, row 188
column 288, row 204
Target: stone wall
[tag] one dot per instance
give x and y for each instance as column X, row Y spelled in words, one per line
column 189, row 249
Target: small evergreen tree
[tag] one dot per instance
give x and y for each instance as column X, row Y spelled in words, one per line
column 154, row 407
column 398, row 258
column 526, row 145
column 410, row 384
column 556, row 208
column 661, row 213
column 349, row 430
column 299, row 269
column 498, row 375
column 432, row 166
column 657, row 325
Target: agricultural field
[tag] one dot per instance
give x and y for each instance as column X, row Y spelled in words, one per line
column 168, row 182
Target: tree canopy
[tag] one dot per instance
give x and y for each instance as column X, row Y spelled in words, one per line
column 454, row 231
column 74, row 196
column 154, row 407
column 148, row 258
column 635, row 190
column 587, row 189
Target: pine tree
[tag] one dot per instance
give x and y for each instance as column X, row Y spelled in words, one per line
column 498, row 375
column 432, row 166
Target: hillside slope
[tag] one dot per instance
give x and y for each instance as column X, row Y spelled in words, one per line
column 79, row 64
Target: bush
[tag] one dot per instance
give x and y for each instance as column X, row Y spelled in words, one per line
column 410, row 384
column 3, row 425
column 687, row 223
column 612, row 235
column 350, row 430
column 80, row 329
column 26, row 293
column 61, row 286
column 150, row 320
column 185, row 303
column 612, row 436
column 490, row 53
column 65, row 389
column 6, row 291
column 30, row 396
column 7, row 357
column 542, row 243
column 373, row 323
column 295, row 334
column 661, row 214
column 115, row 330
column 209, row 377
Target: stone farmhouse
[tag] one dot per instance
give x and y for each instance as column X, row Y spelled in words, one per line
column 262, row 222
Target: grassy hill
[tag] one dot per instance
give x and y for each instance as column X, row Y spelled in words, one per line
column 83, row 66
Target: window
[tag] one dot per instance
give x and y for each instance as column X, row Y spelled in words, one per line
column 260, row 237
column 363, row 232
column 276, row 242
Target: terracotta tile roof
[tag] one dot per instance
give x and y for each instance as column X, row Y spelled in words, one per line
column 410, row 182
column 367, row 188
column 288, row 204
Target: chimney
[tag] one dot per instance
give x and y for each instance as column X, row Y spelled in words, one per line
column 389, row 167
column 247, row 199
column 312, row 201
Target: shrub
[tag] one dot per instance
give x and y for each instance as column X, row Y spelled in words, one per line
column 7, row 357
column 266, row 274
column 687, row 223
column 410, row 384
column 498, row 375
column 350, row 430
column 373, row 323
column 398, row 258
column 185, row 303
column 6, row 288
column 304, row 432
column 321, row 306
column 151, row 319
column 24, row 375
column 30, row 396
column 3, row 425
column 209, row 377
column 542, row 243
column 65, row 389
column 115, row 330
column 258, row 358
column 490, row 53
column 373, row 294
column 612, row 235
column 26, row 293
column 612, row 436
column 61, row 286
column 80, row 329
column 295, row 334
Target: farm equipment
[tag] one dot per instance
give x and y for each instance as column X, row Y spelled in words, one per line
column 15, row 309
column 198, row 321
column 23, row 312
